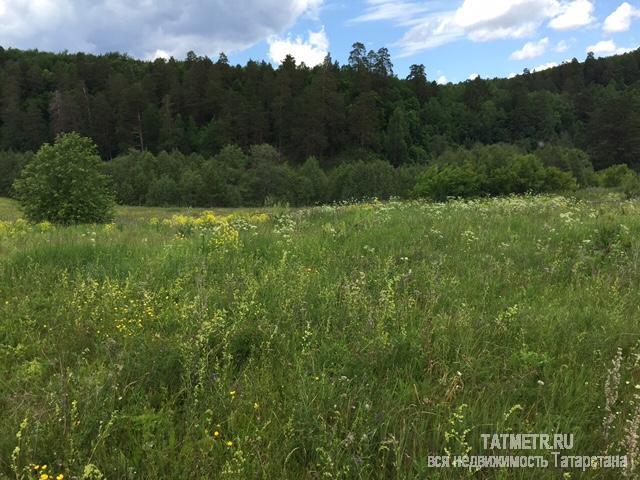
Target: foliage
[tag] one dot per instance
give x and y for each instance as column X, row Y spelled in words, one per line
column 11, row 164
column 490, row 170
column 570, row 160
column 622, row 178
column 364, row 179
column 614, row 176
column 198, row 105
column 63, row 184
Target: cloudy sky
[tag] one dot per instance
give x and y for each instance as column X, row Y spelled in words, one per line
column 455, row 39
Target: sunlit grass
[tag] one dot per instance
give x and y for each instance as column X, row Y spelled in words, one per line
column 348, row 341
column 10, row 210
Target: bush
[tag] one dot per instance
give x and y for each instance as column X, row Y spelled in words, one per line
column 615, row 176
column 631, row 186
column 570, row 160
column 11, row 164
column 441, row 182
column 621, row 178
column 163, row 192
column 63, row 184
column 557, row 180
column 374, row 178
column 490, row 170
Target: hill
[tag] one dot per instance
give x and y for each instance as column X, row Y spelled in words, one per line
column 255, row 134
column 199, row 106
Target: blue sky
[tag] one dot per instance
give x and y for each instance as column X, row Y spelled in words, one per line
column 454, row 39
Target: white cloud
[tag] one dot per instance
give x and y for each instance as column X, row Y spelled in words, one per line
column 312, row 51
column 473, row 76
column 431, row 32
column 393, row 10
column 544, row 66
column 497, row 19
column 575, row 14
column 562, row 46
column 605, row 48
column 483, row 20
column 442, row 80
column 620, row 20
column 160, row 54
column 512, row 75
column 145, row 27
column 531, row 50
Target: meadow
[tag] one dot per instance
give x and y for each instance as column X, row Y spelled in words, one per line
column 339, row 342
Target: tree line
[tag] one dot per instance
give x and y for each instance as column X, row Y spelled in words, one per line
column 335, row 113
column 260, row 176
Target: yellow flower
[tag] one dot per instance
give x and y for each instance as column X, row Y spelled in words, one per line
column 216, row 434
column 36, row 467
column 256, row 406
column 232, row 393
column 60, row 477
column 43, row 467
column 44, row 476
column 229, row 443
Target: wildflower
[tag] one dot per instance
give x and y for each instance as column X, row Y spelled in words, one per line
column 232, row 393
column 256, row 406
column 229, row 443
column 44, row 476
column 226, row 238
column 611, row 392
column 216, row 434
column 60, row 477
column 540, row 382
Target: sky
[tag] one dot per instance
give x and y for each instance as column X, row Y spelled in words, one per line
column 454, row 39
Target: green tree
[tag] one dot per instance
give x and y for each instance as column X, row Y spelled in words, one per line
column 397, row 138
column 63, row 184
column 614, row 132
column 313, row 181
column 364, row 120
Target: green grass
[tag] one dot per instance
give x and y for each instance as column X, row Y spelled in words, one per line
column 336, row 342
column 9, row 211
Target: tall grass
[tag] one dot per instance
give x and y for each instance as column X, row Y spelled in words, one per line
column 349, row 341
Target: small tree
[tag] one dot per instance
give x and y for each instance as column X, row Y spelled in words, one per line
column 63, row 184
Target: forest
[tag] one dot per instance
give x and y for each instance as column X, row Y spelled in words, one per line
column 253, row 134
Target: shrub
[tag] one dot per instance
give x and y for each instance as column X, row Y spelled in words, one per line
column 63, row 184
column 570, row 160
column 615, row 176
column 557, row 180
column 11, row 164
column 163, row 192
column 313, row 183
column 441, row 182
column 374, row 178
column 490, row 170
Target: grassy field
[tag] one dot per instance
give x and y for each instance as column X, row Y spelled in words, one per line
column 338, row 342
